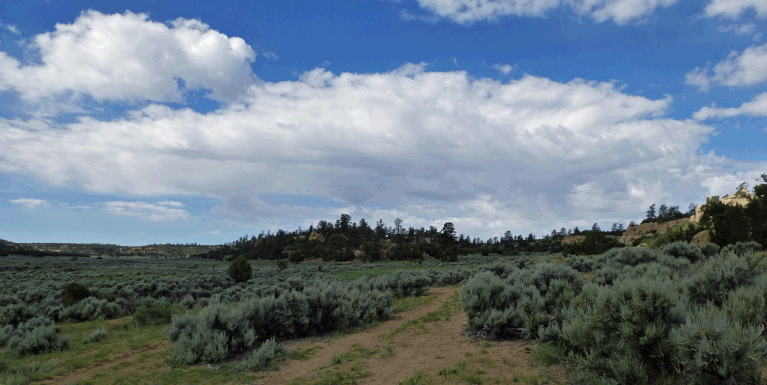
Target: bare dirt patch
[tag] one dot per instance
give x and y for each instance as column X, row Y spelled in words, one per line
column 128, row 360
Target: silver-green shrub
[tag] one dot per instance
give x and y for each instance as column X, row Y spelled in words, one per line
column 629, row 256
column 89, row 309
column 220, row 331
column 631, row 320
column 261, row 358
column 37, row 335
column 685, row 250
column 742, row 248
column 97, row 336
column 710, row 249
column 498, row 308
column 711, row 348
column 720, row 275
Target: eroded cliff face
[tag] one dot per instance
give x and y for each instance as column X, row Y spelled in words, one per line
column 633, row 232
column 741, row 197
column 637, row 231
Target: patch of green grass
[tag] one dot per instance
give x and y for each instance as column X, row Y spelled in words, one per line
column 122, row 336
column 386, row 352
column 335, row 377
column 303, row 355
column 445, row 311
column 463, row 374
column 419, row 378
column 409, row 303
column 547, row 354
column 357, row 274
column 533, row 380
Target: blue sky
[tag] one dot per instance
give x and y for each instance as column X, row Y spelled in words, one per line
column 141, row 122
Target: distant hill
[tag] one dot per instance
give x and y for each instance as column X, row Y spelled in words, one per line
column 98, row 249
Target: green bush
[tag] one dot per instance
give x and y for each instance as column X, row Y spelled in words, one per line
column 581, row 264
column 240, row 269
column 97, row 336
column 625, row 327
column 684, row 250
column 629, row 256
column 498, row 308
column 720, row 275
column 282, row 264
column 741, row 248
column 262, row 357
column 710, row 348
column 220, row 331
column 15, row 314
column 710, row 249
column 74, row 292
column 154, row 313
column 89, row 309
column 38, row 335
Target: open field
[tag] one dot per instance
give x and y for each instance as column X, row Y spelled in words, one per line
column 632, row 315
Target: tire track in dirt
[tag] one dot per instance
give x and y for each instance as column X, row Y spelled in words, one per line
column 369, row 339
column 444, row 346
column 84, row 373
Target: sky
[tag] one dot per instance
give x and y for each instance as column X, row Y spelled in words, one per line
column 138, row 122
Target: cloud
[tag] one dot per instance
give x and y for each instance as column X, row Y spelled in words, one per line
column 469, row 11
column 128, row 58
column 10, row 28
column 743, row 29
column 504, row 69
column 739, row 69
column 734, row 8
column 523, row 153
column 756, row 107
column 30, row 203
column 160, row 211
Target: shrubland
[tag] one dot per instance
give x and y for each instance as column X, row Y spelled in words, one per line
column 673, row 315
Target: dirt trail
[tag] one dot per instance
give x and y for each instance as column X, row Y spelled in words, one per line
column 292, row 369
column 84, row 373
column 443, row 346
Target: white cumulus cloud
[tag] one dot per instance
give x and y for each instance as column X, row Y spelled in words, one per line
column 468, row 11
column 160, row 211
column 735, row 8
column 738, row 69
column 30, row 203
column 756, row 107
column 509, row 154
column 504, row 68
column 127, row 57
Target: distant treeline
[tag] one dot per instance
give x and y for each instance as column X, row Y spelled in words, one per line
column 10, row 248
column 100, row 249
column 346, row 240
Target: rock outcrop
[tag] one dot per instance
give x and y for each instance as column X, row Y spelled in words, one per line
column 573, row 239
column 741, row 198
column 702, row 238
column 579, row 238
column 637, row 231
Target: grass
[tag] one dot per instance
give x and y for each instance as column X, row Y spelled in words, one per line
column 419, row 378
column 445, row 311
column 335, row 374
column 335, row 377
column 410, row 303
column 547, row 354
column 463, row 374
column 357, row 274
column 303, row 355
